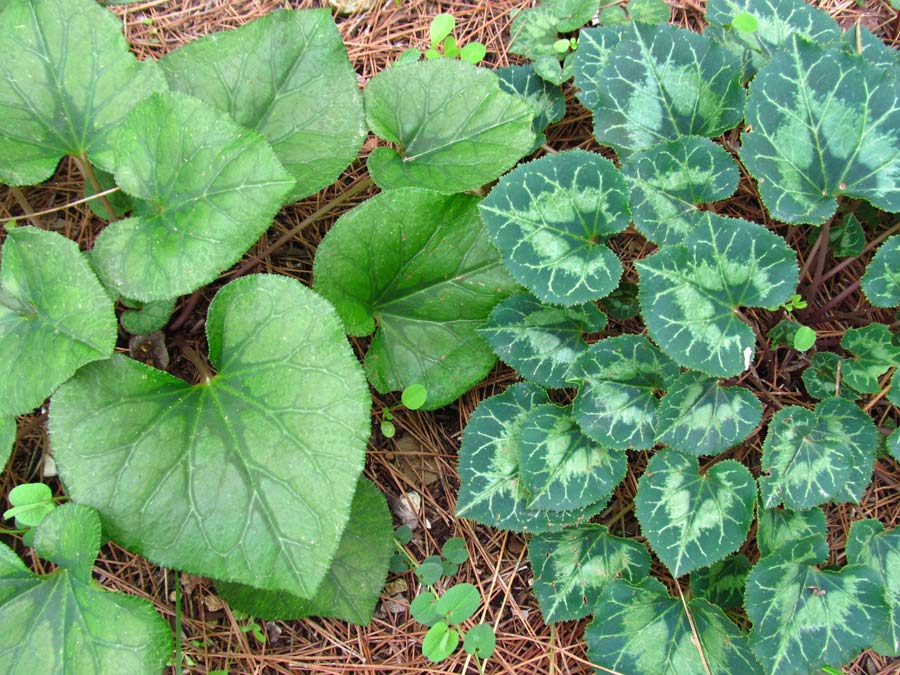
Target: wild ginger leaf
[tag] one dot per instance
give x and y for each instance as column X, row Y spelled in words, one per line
column 689, row 292
column 54, row 317
column 92, row 631
column 722, row 583
column 660, row 83
column 205, row 189
column 7, row 439
column 874, row 353
column 881, row 282
column 869, row 544
column 617, row 402
column 777, row 528
column 822, row 124
column 548, row 101
column 669, row 180
column 541, row 341
column 563, row 469
column 420, row 265
column 455, row 127
column 286, row 75
column 804, row 617
column 351, row 588
column 551, row 219
column 247, row 476
column 638, row 629
column 813, row 457
column 67, row 81
column 697, row 416
column 572, row 567
column 693, row 520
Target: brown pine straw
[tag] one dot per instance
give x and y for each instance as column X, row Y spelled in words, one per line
column 499, row 567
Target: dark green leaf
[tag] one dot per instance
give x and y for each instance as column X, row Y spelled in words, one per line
column 777, row 528
column 480, row 641
column 454, row 550
column 430, row 570
column 821, row 378
column 722, row 584
column 148, row 317
column 458, row 603
column 547, row 101
column 403, row 534
column 7, row 439
column 860, row 40
column 571, row 14
column 869, row 544
column 594, row 47
column 881, row 282
column 874, row 353
column 439, row 642
column 649, row 11
column 622, row 304
column 893, row 444
column 847, row 239
column 420, row 265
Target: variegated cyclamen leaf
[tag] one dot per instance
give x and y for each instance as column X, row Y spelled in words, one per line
column 893, row 444
column 697, row 416
column 776, row 528
column 551, row 219
column 822, row 378
column 691, row 519
column 669, row 179
column 722, row 583
column 491, row 489
column 689, row 292
column 863, row 41
column 547, row 100
column 617, row 402
column 572, row 567
column 777, row 21
column 804, row 617
column 639, row 630
column 874, row 353
column 563, row 469
column 594, row 47
column 541, row 341
column 660, row 83
column 813, row 457
column 869, row 544
column 825, row 123
column 455, row 127
column 881, row 282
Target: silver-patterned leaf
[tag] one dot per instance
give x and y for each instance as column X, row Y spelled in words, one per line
column 594, row 47
column 822, row 378
column 881, row 282
column 776, row 528
column 874, row 353
column 551, row 219
column 722, row 583
column 870, row 544
column 547, row 100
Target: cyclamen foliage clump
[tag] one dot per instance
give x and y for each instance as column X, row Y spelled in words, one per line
column 251, row 474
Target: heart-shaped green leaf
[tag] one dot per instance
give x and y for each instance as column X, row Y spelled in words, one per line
column 455, row 128
column 351, row 588
column 534, row 34
column 147, row 317
column 669, row 179
column 458, row 603
column 722, row 583
column 822, row 378
column 825, row 123
column 874, row 353
column 861, row 40
column 697, row 416
column 420, row 265
column 572, row 567
column 64, row 622
column 810, row 458
column 491, row 489
column 551, row 219
column 562, row 468
column 7, row 439
column 691, row 519
column 67, row 80
column 202, row 198
column 689, row 293
column 54, row 317
column 247, row 476
column 594, row 47
column 803, row 617
column 541, row 341
column 776, row 528
column 439, row 642
column 869, row 544
column 881, row 282
column 547, row 101
column 638, row 629
column 288, row 76
column 660, row 83
column 617, row 403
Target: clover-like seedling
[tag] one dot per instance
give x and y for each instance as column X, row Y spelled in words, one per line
column 413, row 398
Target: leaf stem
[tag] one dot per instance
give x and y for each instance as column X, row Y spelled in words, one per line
column 25, row 205
column 84, row 166
column 56, row 209
column 696, row 636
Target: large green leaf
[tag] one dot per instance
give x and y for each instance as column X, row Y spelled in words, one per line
column 689, row 293
column 697, row 416
column 804, row 617
column 691, row 519
column 541, row 341
column 572, row 567
column 288, row 76
column 617, row 402
column 247, row 476
column 7, row 439
column 455, row 128
column 722, row 583
column 594, row 47
column 813, row 457
column 551, row 219
column 64, row 622
column 352, row 586
column 776, row 528
column 776, row 22
column 874, row 353
column 547, row 101
column 419, row 266
column 660, row 83
column 881, row 282
column 669, row 179
column 861, row 40
column 491, row 489
column 67, row 80
column 825, row 123
column 822, row 378
column 639, row 630
column 205, row 190
column 869, row 544
column 561, row 468
column 54, row 317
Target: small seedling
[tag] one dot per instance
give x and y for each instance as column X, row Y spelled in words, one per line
column 412, row 398
column 445, row 45
column 31, row 503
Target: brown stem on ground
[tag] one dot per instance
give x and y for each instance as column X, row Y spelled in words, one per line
column 84, row 166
